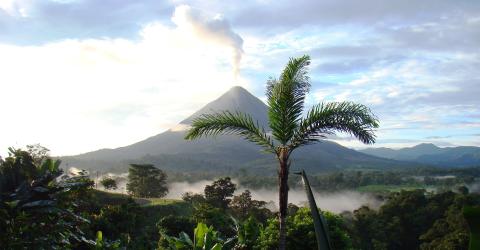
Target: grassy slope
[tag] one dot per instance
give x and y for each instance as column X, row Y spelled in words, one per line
column 156, row 207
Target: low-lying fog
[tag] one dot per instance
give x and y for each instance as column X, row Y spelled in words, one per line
column 335, row 201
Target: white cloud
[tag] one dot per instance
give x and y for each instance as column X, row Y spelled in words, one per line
column 112, row 92
column 79, row 95
column 14, row 7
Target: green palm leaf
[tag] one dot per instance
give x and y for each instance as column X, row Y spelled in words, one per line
column 325, row 118
column 286, row 98
column 227, row 122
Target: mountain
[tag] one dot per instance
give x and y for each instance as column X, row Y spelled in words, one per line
column 236, row 99
column 225, row 153
column 427, row 153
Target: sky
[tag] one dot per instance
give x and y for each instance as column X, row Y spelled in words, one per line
column 81, row 75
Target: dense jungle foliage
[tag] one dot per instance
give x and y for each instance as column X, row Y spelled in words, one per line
column 41, row 207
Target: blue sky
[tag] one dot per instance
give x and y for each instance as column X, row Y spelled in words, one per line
column 79, row 75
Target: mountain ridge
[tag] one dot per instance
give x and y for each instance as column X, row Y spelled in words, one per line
column 169, row 150
column 428, row 153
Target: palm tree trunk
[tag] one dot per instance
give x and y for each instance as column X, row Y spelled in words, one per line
column 283, row 197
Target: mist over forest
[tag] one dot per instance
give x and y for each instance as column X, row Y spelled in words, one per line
column 335, row 201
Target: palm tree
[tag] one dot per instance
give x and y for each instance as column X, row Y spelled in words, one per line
column 289, row 128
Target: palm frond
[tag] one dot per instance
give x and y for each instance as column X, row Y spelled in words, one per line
column 319, row 222
column 227, row 122
column 326, row 118
column 286, row 98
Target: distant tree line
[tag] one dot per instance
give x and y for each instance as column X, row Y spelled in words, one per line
column 353, row 179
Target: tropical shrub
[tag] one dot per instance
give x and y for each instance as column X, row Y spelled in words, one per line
column 118, row 221
column 205, row 238
column 214, row 216
column 103, row 244
column 36, row 203
column 247, row 235
column 173, row 225
column 301, row 234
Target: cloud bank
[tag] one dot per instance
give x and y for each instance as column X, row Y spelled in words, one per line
column 103, row 93
column 416, row 64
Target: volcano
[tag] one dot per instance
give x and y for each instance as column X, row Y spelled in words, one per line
column 223, row 153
